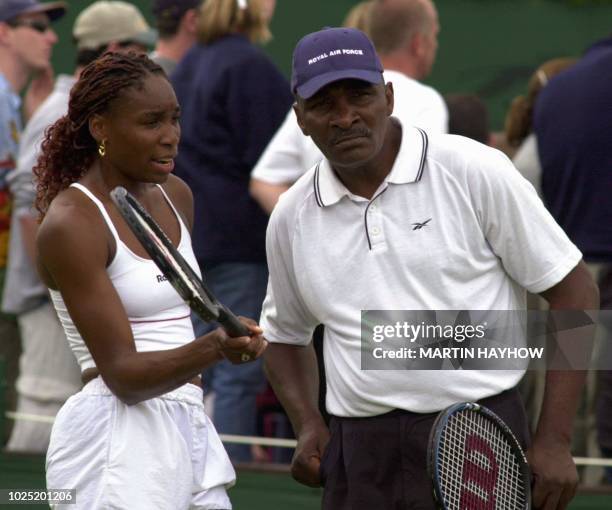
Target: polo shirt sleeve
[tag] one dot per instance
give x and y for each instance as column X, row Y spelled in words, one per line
column 284, row 318
column 258, row 97
column 532, row 247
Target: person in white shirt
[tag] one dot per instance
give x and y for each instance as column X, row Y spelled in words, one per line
column 405, row 34
column 396, row 219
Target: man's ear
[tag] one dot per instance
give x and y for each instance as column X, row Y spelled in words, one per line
column 299, row 114
column 190, row 21
column 97, row 127
column 390, row 97
column 417, row 46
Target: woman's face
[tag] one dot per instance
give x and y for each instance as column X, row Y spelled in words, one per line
column 141, row 131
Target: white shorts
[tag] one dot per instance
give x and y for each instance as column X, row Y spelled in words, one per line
column 163, row 453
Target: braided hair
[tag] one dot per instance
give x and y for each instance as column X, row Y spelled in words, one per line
column 519, row 119
column 68, row 149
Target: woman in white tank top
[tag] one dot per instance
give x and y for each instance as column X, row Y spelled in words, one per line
column 137, row 435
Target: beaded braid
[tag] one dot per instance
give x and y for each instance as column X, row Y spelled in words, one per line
column 68, row 149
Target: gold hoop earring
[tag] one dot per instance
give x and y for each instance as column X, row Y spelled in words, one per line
column 102, row 148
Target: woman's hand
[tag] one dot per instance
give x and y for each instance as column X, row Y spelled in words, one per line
column 242, row 349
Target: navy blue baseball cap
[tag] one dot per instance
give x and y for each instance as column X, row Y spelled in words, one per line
column 330, row 55
column 10, row 9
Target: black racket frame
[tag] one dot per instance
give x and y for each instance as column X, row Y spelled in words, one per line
column 199, row 297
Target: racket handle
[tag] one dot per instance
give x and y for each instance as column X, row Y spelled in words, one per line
column 231, row 324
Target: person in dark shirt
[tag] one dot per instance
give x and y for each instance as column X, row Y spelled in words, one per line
column 573, row 122
column 233, row 100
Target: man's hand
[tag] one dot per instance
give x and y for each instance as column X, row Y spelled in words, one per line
column 306, row 462
column 554, row 473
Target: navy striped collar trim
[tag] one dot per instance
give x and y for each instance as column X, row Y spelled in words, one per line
column 408, row 168
column 317, row 189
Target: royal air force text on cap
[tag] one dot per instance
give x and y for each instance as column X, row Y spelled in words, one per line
column 344, row 51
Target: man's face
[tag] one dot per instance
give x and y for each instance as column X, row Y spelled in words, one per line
column 31, row 38
column 347, row 120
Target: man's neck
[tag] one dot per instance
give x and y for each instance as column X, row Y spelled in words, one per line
column 14, row 71
column 398, row 61
column 365, row 180
column 174, row 48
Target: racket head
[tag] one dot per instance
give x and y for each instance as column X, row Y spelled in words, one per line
column 476, row 462
column 167, row 258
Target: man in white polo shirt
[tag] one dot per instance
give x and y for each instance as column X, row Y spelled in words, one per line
column 405, row 34
column 394, row 219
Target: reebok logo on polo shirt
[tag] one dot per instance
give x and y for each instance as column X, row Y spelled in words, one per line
column 418, row 226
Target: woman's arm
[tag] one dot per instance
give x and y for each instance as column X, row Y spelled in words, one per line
column 73, row 251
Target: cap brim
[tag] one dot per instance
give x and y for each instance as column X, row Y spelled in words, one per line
column 148, row 38
column 312, row 86
column 55, row 10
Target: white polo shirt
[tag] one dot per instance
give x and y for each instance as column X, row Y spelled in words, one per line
column 290, row 153
column 332, row 254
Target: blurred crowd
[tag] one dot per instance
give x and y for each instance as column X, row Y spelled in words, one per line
column 241, row 148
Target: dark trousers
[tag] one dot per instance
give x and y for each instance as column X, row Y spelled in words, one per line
column 380, row 463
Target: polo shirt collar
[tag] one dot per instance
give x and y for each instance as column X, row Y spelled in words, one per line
column 407, row 168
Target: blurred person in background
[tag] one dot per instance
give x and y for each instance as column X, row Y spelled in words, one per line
column 405, row 34
column 176, row 22
column 572, row 123
column 521, row 140
column 49, row 373
column 233, row 99
column 26, row 41
column 359, row 16
column 519, row 121
column 468, row 116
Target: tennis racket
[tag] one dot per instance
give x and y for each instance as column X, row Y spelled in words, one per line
column 174, row 267
column 476, row 463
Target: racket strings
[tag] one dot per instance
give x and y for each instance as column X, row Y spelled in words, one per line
column 477, row 466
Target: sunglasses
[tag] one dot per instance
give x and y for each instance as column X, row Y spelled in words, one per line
column 38, row 25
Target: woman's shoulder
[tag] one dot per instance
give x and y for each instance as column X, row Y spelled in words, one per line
column 178, row 191
column 181, row 196
column 71, row 212
column 70, row 235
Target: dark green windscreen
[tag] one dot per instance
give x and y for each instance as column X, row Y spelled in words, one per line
column 488, row 47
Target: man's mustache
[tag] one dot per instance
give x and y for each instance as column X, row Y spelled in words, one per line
column 351, row 133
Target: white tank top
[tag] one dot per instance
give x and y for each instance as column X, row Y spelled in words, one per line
column 158, row 316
